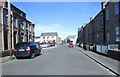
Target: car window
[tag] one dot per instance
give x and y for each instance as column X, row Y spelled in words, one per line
column 22, row 45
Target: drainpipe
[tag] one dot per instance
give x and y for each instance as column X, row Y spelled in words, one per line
column 9, row 25
column 12, row 32
column 119, row 26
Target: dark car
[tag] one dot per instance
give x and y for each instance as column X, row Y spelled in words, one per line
column 27, row 49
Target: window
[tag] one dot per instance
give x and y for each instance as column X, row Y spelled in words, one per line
column 107, row 13
column 5, row 4
column 97, row 37
column 14, row 22
column 108, row 37
column 97, row 23
column 21, row 25
column 43, row 37
column 27, row 26
column 116, row 8
column 117, row 30
column 21, row 14
column 5, row 18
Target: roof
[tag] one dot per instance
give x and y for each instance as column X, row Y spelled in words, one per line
column 37, row 37
column 49, row 34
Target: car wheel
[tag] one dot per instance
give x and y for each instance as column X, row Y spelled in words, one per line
column 33, row 55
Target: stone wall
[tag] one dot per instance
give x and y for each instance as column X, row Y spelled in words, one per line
column 114, row 54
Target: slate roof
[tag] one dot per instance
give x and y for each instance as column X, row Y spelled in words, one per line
column 49, row 34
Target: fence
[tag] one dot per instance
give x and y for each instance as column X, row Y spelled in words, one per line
column 104, row 48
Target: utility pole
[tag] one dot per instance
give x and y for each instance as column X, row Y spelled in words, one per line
column 119, row 24
column 9, row 33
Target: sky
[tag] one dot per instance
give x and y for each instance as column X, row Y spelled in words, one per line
column 62, row 17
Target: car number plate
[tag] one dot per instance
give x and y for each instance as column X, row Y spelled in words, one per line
column 21, row 50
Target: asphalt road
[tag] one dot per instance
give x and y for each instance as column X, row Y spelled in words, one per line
column 60, row 60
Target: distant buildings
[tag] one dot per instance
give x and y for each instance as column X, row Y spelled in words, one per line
column 21, row 29
column 50, row 37
column 104, row 29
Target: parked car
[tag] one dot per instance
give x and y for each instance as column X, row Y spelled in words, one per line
column 52, row 44
column 45, row 45
column 27, row 49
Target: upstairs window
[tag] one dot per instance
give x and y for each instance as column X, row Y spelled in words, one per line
column 116, row 8
column 5, row 18
column 107, row 13
column 117, row 30
column 21, row 25
column 14, row 22
column 108, row 37
column 5, row 4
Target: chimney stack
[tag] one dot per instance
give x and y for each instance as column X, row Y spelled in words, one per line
column 103, row 4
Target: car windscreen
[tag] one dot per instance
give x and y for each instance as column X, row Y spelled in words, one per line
column 22, row 45
column 71, row 43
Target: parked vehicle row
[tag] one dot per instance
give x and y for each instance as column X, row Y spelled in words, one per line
column 46, row 45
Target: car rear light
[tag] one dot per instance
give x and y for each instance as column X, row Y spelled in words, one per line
column 14, row 50
column 28, row 49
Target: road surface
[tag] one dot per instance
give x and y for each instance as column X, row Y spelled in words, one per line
column 59, row 60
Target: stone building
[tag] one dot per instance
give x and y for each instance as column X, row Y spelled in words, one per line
column 49, row 37
column 104, row 29
column 112, row 24
column 22, row 30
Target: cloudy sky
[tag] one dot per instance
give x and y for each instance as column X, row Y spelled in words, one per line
column 62, row 17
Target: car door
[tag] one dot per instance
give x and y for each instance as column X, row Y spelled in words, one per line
column 37, row 49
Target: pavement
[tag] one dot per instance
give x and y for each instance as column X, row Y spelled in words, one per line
column 6, row 59
column 109, row 63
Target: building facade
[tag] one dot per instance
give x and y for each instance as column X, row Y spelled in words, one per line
column 104, row 29
column 49, row 37
column 112, row 24
column 22, row 30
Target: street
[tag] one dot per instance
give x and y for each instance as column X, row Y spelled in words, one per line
column 59, row 60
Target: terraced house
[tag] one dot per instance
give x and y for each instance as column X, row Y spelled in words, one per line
column 104, row 29
column 21, row 30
